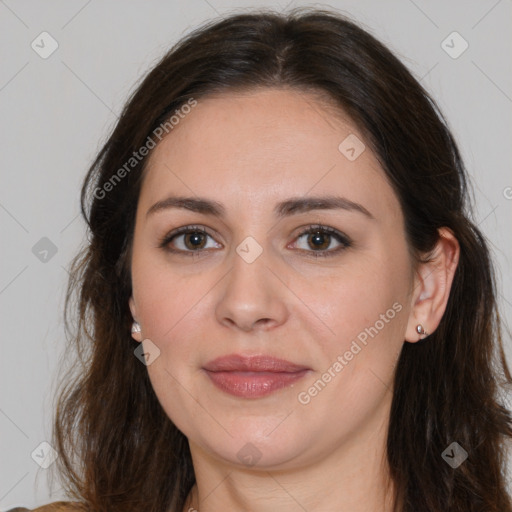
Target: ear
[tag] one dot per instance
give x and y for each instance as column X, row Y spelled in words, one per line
column 432, row 285
column 137, row 336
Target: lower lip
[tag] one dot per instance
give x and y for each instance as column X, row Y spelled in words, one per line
column 253, row 384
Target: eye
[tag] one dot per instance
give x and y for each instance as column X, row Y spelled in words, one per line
column 187, row 239
column 320, row 239
column 194, row 239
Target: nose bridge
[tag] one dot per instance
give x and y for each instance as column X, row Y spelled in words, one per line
column 251, row 292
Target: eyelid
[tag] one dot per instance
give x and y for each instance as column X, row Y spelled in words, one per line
column 343, row 239
column 191, row 228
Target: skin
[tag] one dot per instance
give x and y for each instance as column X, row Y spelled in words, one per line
column 263, row 147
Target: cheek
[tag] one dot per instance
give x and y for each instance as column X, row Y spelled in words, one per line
column 169, row 307
column 365, row 309
column 165, row 298
column 359, row 296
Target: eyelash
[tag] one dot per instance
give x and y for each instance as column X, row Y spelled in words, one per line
column 317, row 228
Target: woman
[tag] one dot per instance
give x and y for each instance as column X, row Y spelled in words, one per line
column 284, row 303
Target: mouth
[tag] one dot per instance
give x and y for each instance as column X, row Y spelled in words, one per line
column 253, row 376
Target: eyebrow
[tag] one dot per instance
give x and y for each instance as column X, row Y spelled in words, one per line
column 286, row 208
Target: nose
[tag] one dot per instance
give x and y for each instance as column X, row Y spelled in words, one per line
column 252, row 297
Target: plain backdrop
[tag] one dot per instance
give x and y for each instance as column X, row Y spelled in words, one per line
column 57, row 111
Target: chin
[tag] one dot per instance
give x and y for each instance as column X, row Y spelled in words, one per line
column 263, row 443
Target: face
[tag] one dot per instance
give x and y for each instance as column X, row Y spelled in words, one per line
column 250, row 280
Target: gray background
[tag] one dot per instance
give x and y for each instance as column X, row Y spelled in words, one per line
column 56, row 112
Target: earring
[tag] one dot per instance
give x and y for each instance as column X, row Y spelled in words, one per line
column 135, row 327
column 421, row 331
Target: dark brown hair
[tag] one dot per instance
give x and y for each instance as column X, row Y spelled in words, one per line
column 118, row 449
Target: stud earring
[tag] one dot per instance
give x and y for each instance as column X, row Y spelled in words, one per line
column 135, row 327
column 421, row 331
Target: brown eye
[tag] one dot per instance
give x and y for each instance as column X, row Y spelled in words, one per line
column 319, row 241
column 194, row 240
column 188, row 239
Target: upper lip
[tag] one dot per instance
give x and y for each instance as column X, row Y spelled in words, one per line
column 255, row 363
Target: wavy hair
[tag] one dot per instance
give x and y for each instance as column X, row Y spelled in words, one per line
column 119, row 451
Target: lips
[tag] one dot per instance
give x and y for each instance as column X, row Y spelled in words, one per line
column 258, row 363
column 253, row 376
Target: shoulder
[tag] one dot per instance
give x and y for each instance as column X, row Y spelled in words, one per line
column 57, row 506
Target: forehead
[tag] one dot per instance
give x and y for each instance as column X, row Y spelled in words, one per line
column 264, row 146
